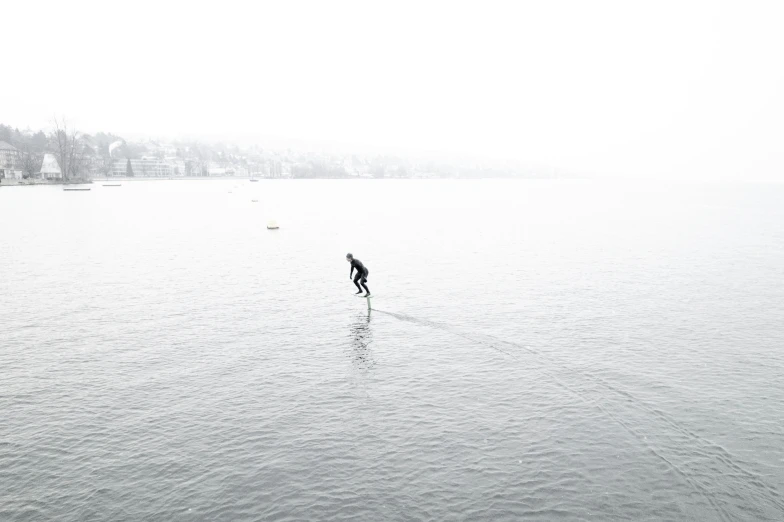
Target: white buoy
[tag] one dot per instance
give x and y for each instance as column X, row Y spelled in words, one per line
column 272, row 225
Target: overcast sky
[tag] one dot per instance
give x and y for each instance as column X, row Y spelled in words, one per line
column 631, row 88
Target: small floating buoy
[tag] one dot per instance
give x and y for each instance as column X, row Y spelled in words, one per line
column 272, row 225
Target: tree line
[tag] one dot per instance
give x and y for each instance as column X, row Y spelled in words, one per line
column 80, row 154
column 75, row 152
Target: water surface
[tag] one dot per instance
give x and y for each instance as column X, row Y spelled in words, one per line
column 543, row 350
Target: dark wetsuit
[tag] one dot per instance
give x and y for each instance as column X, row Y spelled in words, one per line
column 362, row 274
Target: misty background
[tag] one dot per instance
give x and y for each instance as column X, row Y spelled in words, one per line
column 676, row 90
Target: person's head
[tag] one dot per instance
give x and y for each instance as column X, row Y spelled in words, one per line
column 349, row 258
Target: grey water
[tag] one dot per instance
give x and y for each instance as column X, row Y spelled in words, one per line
column 538, row 350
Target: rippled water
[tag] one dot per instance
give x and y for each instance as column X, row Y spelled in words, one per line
column 539, row 350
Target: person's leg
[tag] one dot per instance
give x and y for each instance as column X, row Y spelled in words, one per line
column 364, row 283
column 357, row 278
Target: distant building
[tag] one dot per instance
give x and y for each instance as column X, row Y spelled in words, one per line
column 10, row 167
column 50, row 169
column 276, row 169
column 178, row 166
column 217, row 170
column 144, row 168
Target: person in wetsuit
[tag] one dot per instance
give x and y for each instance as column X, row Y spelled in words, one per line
column 362, row 274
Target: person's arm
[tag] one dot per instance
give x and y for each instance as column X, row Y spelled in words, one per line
column 351, row 272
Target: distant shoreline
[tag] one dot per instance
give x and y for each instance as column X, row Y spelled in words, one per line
column 239, row 178
column 39, row 182
column 33, row 182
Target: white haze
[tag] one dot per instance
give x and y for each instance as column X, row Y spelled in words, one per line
column 685, row 90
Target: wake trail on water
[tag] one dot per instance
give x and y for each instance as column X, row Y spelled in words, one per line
column 444, row 327
column 703, row 447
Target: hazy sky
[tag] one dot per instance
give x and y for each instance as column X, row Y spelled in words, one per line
column 678, row 89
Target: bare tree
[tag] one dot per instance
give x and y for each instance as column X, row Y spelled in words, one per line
column 30, row 161
column 105, row 160
column 68, row 148
column 107, row 169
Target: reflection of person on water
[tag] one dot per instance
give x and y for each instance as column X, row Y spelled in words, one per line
column 362, row 274
column 361, row 338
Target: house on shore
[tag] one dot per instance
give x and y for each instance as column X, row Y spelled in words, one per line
column 10, row 166
column 50, row 169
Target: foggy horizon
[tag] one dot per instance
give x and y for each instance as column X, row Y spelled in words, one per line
column 670, row 91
